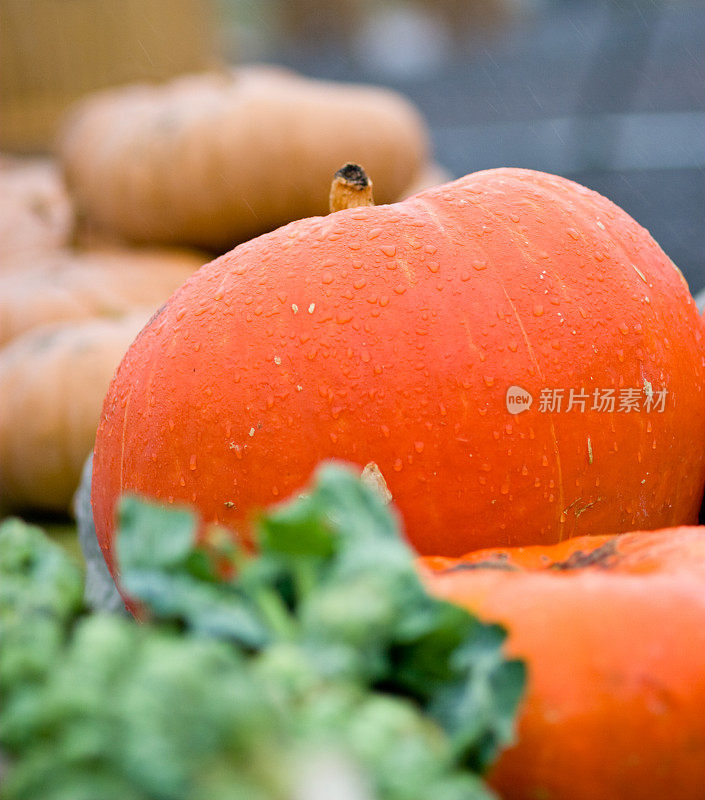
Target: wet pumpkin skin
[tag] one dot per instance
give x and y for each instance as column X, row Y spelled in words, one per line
column 390, row 334
column 613, row 632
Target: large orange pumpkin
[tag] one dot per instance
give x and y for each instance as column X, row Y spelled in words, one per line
column 391, row 335
column 612, row 629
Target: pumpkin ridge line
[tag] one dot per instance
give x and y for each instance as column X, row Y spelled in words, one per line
column 561, row 493
column 435, row 216
column 122, row 440
column 525, row 256
column 534, row 360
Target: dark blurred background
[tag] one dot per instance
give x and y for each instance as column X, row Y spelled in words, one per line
column 610, row 93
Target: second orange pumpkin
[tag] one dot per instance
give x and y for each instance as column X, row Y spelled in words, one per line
column 612, row 629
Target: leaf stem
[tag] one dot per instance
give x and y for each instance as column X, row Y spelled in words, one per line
column 275, row 613
column 306, row 578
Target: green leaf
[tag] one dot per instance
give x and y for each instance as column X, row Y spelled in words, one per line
column 203, row 607
column 152, row 535
column 296, row 529
column 36, row 575
column 356, row 512
column 425, row 646
column 162, row 567
column 478, row 708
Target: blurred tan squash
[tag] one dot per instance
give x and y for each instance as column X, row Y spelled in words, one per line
column 35, row 211
column 52, row 383
column 65, row 285
column 215, row 159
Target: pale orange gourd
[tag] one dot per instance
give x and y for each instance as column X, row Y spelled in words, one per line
column 62, row 285
column 36, row 214
column 255, row 148
column 52, row 382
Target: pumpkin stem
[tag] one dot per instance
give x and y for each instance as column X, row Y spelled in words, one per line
column 351, row 188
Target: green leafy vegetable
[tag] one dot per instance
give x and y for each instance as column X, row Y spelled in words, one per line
column 322, row 655
column 41, row 590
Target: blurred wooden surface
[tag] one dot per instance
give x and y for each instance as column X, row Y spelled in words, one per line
column 54, row 51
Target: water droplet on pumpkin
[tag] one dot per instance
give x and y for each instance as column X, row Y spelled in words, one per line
column 537, row 310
